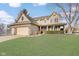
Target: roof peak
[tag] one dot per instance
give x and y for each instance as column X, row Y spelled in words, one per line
column 54, row 13
column 24, row 11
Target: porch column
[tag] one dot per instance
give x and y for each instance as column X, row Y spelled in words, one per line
column 64, row 29
column 53, row 27
column 47, row 28
column 40, row 28
column 50, row 28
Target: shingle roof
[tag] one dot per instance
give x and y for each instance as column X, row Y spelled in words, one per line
column 45, row 17
column 32, row 20
column 41, row 18
column 52, row 24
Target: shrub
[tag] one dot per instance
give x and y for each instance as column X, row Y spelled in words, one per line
column 54, row 32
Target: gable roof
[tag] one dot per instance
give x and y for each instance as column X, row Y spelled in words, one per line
column 24, row 11
column 55, row 13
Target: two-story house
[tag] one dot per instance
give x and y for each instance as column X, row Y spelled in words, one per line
column 26, row 25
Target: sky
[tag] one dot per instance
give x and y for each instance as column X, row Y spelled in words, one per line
column 10, row 11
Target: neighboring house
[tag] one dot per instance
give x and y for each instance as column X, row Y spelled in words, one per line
column 26, row 25
column 76, row 28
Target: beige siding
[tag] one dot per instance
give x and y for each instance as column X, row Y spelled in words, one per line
column 51, row 20
column 12, row 31
column 25, row 19
column 34, row 29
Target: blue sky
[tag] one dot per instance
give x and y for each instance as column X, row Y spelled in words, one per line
column 33, row 9
column 10, row 11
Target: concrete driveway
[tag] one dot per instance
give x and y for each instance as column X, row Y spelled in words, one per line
column 5, row 38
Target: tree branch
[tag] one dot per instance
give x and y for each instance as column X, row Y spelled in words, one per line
column 75, row 13
column 76, row 20
column 64, row 11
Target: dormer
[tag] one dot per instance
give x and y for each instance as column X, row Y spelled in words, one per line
column 54, row 18
column 55, row 14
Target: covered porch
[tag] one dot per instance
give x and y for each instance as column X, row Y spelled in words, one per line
column 52, row 27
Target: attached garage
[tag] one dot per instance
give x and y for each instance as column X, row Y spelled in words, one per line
column 23, row 25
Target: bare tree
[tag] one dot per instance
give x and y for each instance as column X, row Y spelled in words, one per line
column 73, row 15
column 2, row 28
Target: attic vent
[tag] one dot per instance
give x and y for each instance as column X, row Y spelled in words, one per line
column 22, row 18
column 54, row 14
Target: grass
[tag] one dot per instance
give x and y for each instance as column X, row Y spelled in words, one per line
column 45, row 45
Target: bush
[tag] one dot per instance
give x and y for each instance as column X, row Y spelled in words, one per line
column 54, row 32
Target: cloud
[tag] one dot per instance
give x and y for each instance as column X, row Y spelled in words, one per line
column 5, row 17
column 15, row 5
column 39, row 4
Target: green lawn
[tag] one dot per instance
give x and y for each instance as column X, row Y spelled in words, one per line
column 46, row 45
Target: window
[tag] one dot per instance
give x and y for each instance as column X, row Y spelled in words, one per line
column 56, row 20
column 51, row 20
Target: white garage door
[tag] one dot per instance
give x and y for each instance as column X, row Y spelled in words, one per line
column 23, row 31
